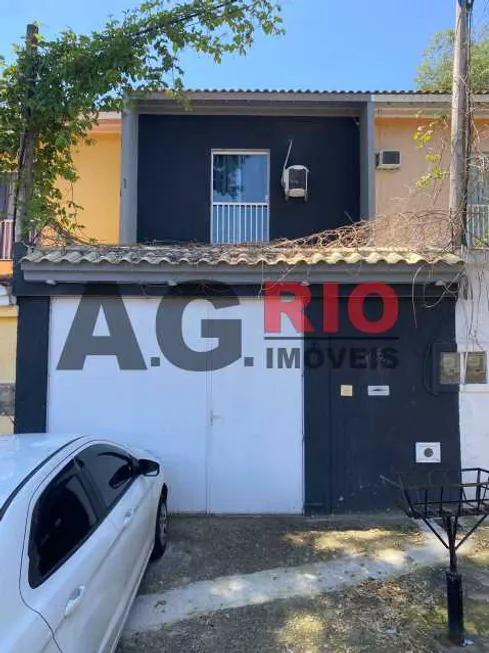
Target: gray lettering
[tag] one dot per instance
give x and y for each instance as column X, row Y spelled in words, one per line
column 121, row 341
column 173, row 346
column 288, row 358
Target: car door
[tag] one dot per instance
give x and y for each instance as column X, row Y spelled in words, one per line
column 71, row 573
column 21, row 629
column 128, row 498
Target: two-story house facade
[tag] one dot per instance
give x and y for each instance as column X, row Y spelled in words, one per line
column 274, row 370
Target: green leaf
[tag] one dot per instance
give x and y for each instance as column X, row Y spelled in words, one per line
column 69, row 79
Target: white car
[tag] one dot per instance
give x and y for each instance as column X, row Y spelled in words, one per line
column 80, row 518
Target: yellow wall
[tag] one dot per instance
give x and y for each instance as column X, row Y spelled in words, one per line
column 97, row 190
column 5, row 268
column 8, row 340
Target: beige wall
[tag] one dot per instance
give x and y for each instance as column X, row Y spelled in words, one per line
column 396, row 190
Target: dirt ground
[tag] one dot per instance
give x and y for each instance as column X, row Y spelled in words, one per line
column 203, row 548
column 405, row 615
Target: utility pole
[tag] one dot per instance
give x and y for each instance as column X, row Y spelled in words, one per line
column 26, row 152
column 460, row 120
column 457, row 204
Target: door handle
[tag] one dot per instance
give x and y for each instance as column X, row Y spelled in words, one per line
column 213, row 417
column 128, row 517
column 74, row 600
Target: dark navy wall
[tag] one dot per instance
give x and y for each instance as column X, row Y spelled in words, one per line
column 350, row 441
column 32, row 364
column 174, row 171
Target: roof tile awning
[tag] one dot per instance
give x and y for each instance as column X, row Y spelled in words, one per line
column 243, row 254
column 245, row 263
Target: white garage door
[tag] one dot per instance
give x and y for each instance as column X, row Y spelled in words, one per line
column 230, row 439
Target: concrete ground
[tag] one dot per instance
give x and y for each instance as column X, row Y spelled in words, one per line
column 298, row 585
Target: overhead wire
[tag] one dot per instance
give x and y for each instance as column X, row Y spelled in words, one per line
column 186, row 17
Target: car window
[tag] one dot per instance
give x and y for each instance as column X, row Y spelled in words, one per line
column 62, row 519
column 111, row 469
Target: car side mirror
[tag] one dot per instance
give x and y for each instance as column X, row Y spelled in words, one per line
column 148, row 467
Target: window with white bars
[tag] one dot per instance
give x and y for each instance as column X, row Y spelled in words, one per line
column 477, row 226
column 240, row 196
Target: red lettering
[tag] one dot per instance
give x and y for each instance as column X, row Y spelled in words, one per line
column 276, row 305
column 356, row 311
column 330, row 308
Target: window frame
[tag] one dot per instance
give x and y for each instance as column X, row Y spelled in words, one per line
column 10, row 178
column 237, row 152
column 9, row 182
column 84, row 469
column 478, row 183
column 34, row 578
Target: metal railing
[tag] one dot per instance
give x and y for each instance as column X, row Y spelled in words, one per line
column 240, row 222
column 477, row 227
column 6, row 239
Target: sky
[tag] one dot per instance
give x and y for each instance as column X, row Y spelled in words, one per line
column 329, row 44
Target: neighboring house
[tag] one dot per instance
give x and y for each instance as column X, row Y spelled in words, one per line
column 397, row 191
column 398, row 186
column 97, row 191
column 274, row 420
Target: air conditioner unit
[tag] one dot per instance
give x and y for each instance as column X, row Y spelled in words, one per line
column 294, row 181
column 388, row 160
column 294, row 178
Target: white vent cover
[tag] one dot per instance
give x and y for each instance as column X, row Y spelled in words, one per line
column 388, row 159
column 428, row 452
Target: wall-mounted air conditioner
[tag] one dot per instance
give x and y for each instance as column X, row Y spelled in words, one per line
column 388, row 160
column 294, row 179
